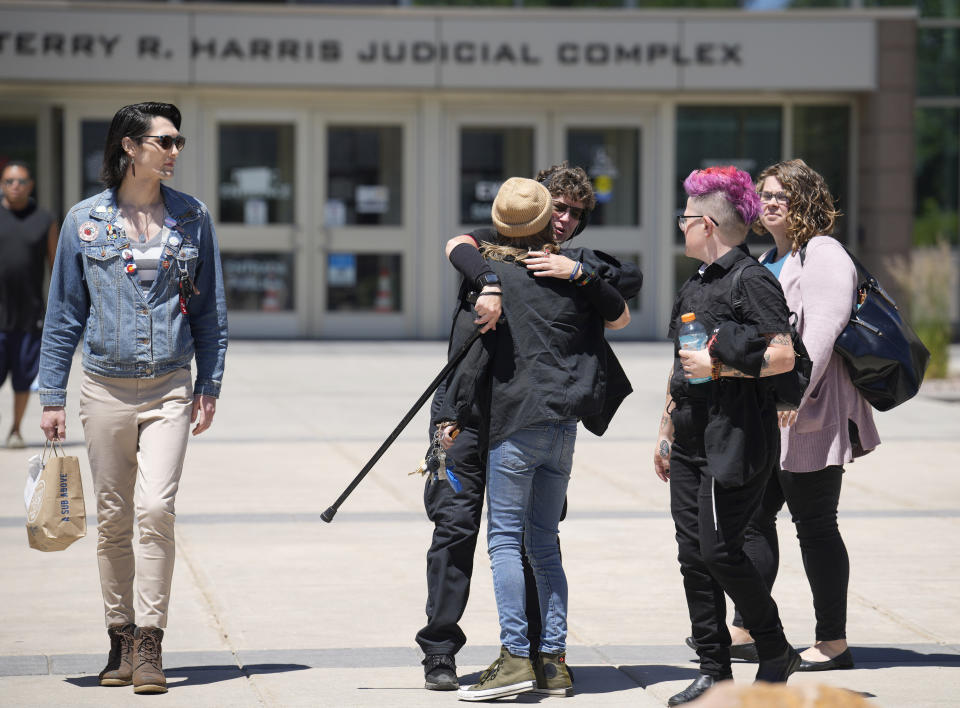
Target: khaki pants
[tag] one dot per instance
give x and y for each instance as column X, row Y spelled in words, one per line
column 136, row 432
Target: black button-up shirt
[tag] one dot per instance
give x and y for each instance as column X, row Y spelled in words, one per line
column 731, row 422
column 547, row 362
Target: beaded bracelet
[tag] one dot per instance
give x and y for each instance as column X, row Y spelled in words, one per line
column 716, row 366
column 576, row 269
column 586, row 277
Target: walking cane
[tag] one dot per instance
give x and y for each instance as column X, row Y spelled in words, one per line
column 329, row 513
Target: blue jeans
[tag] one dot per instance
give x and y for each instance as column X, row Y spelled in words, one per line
column 527, row 476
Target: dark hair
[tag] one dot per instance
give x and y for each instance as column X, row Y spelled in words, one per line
column 16, row 163
column 570, row 182
column 130, row 122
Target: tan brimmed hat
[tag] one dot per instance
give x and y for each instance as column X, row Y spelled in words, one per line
column 522, row 207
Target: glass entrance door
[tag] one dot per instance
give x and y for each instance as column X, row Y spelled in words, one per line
column 260, row 204
column 616, row 153
column 364, row 219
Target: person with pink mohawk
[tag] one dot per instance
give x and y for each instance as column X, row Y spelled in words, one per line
column 718, row 441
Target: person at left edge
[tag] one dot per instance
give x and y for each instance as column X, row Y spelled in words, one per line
column 137, row 275
column 28, row 241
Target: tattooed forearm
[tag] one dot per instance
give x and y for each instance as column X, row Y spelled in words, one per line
column 664, row 449
column 730, row 372
column 664, row 421
column 784, row 339
column 766, row 361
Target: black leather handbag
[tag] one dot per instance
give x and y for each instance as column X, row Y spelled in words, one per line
column 884, row 356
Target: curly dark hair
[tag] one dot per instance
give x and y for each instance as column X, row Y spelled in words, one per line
column 571, row 182
column 810, row 211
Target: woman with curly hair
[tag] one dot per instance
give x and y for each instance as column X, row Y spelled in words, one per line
column 832, row 426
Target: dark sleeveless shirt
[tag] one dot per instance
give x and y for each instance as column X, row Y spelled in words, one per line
column 23, row 252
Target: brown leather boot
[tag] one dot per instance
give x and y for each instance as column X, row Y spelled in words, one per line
column 119, row 668
column 148, row 661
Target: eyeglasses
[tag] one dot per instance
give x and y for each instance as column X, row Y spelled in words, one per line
column 682, row 219
column 167, row 141
column 780, row 197
column 10, row 181
column 575, row 212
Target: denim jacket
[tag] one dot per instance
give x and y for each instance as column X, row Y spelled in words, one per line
column 129, row 333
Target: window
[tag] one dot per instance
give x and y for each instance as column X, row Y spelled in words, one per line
column 364, row 176
column 259, row 282
column 937, row 176
column 18, row 141
column 93, row 138
column 821, row 139
column 256, row 169
column 611, row 157
column 488, row 157
column 364, row 282
column 938, row 61
column 748, row 137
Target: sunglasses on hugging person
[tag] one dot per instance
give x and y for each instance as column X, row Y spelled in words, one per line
column 575, row 212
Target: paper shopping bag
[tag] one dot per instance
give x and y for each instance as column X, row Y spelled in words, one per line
column 56, row 516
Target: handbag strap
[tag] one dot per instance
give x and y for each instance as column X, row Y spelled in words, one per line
column 865, row 279
column 54, row 446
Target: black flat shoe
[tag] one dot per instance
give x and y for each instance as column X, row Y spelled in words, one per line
column 844, row 660
column 779, row 669
column 744, row 652
column 700, row 685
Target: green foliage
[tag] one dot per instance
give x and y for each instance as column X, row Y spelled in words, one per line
column 936, row 337
column 934, row 225
column 928, row 279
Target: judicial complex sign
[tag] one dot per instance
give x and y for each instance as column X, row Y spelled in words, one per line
column 439, row 50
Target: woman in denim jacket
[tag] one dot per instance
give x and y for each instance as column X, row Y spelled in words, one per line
column 137, row 274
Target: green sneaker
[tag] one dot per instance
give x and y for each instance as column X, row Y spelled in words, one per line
column 507, row 676
column 553, row 676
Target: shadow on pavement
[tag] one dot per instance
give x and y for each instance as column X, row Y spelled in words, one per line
column 649, row 674
column 885, row 657
column 183, row 676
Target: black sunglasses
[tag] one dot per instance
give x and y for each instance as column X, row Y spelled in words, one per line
column 682, row 219
column 166, row 141
column 575, row 212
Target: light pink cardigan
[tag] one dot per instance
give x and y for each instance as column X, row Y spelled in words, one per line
column 822, row 292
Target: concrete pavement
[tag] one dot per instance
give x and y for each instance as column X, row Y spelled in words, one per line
column 273, row 607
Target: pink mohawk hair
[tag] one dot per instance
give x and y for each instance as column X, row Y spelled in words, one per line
column 735, row 184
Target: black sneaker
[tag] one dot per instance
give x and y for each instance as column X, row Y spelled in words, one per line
column 440, row 673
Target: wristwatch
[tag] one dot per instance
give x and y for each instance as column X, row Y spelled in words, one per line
column 485, row 279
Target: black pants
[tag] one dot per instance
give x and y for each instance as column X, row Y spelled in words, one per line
column 456, row 519
column 812, row 498
column 710, row 521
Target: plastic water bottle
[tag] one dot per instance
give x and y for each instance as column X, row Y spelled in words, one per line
column 693, row 337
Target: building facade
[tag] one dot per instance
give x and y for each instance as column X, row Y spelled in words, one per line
column 339, row 148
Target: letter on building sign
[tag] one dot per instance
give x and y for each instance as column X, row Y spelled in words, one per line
column 731, row 54
column 370, row 55
column 705, row 54
column 567, row 53
column 657, row 51
column 148, row 45
column 53, row 44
